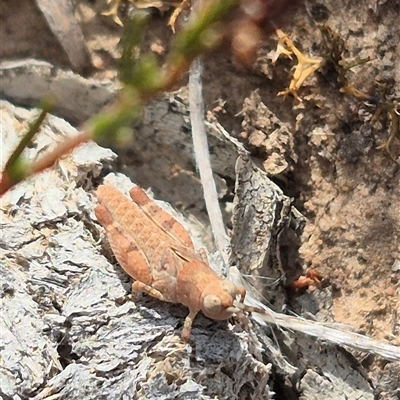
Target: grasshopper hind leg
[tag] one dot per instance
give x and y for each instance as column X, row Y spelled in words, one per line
column 131, row 258
column 160, row 217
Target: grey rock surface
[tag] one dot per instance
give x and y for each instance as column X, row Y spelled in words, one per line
column 69, row 327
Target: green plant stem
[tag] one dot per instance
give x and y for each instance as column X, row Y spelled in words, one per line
column 33, row 129
column 143, row 80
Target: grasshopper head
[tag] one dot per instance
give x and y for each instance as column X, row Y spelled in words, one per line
column 217, row 300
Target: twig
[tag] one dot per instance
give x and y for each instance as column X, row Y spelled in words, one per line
column 196, row 106
column 9, row 178
column 142, row 80
column 61, row 20
column 263, row 314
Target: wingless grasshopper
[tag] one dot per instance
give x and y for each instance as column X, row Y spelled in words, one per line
column 156, row 250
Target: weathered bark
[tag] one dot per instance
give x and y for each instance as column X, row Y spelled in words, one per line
column 70, row 329
column 67, row 324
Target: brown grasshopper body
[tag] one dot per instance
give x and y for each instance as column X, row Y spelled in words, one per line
column 157, row 251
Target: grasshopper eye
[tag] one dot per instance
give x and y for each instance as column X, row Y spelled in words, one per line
column 212, row 305
column 229, row 288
